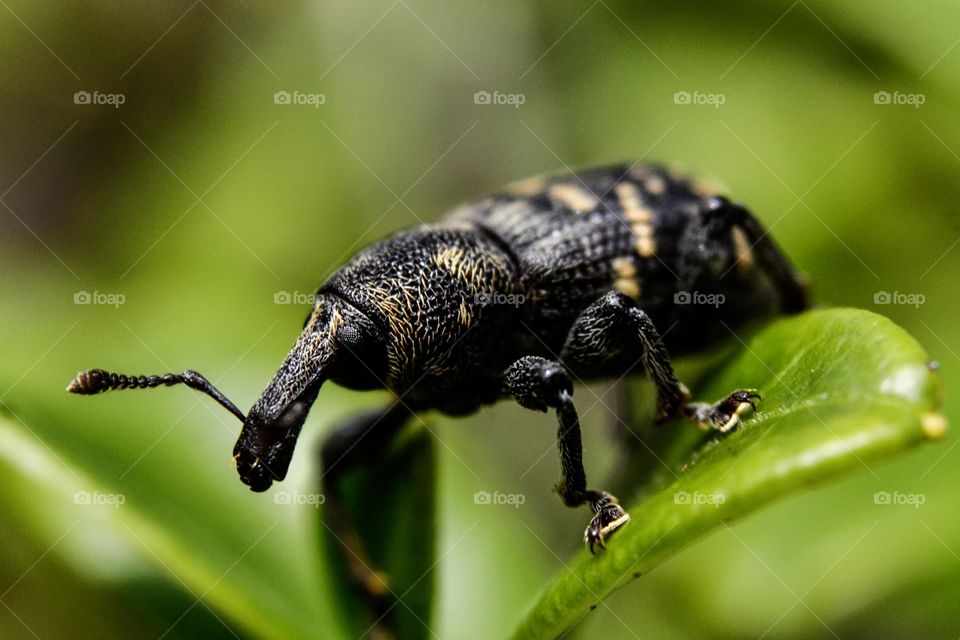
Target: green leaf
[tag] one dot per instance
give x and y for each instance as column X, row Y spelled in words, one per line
column 841, row 388
column 177, row 540
column 390, row 500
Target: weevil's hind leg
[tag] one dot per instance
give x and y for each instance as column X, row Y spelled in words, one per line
column 791, row 287
column 538, row 383
column 348, row 447
column 615, row 323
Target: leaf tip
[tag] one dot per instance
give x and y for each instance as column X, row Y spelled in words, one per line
column 934, row 425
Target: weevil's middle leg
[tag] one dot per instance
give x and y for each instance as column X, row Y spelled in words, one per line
column 615, row 323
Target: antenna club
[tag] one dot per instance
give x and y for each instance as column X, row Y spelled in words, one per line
column 90, row 382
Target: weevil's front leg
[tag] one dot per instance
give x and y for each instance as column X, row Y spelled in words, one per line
column 538, row 383
column 614, row 324
column 348, row 447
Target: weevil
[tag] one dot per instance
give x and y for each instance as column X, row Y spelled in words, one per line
column 575, row 277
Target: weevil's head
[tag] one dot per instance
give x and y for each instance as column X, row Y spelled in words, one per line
column 338, row 342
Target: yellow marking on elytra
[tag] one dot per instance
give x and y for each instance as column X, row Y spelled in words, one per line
column 742, row 249
column 640, row 172
column 707, row 187
column 528, row 187
column 626, row 280
column 677, row 171
column 632, row 204
column 645, row 244
column 574, row 197
column 629, row 288
column 623, row 267
column 655, row 185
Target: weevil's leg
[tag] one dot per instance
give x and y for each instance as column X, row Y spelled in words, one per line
column 350, row 446
column 724, row 416
column 615, row 323
column 791, row 287
column 538, row 383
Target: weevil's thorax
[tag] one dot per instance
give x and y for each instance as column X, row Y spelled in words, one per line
column 443, row 296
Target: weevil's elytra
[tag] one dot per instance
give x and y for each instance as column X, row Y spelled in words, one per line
column 578, row 276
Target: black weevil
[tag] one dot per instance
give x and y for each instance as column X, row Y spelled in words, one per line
column 551, row 280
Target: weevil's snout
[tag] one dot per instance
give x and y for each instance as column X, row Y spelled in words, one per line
column 338, row 342
column 265, row 447
column 253, row 471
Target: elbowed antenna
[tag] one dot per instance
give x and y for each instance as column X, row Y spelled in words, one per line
column 95, row 381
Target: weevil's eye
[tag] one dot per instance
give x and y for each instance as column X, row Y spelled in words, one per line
column 361, row 356
column 348, row 336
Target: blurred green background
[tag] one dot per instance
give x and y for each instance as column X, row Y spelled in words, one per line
column 196, row 217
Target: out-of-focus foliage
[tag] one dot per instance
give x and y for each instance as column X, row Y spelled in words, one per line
column 200, row 213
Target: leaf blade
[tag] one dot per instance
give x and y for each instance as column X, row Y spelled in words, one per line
column 842, row 388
